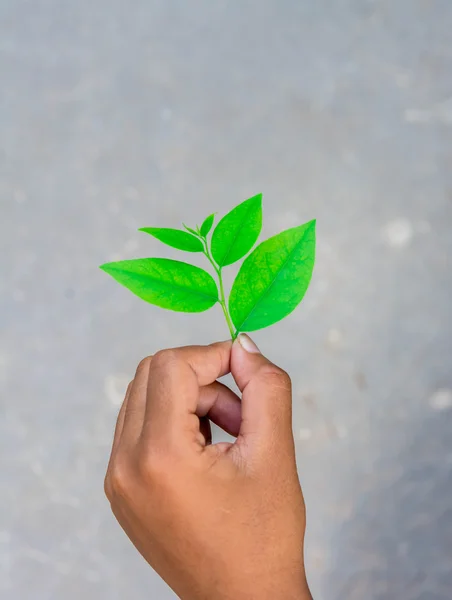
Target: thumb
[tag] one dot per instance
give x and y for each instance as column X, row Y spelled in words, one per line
column 266, row 396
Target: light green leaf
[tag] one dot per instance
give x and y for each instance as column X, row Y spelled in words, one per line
column 175, row 238
column 207, row 225
column 273, row 279
column 166, row 283
column 237, row 231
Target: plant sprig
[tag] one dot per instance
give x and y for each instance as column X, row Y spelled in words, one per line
column 271, row 281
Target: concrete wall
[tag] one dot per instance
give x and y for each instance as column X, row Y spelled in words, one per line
column 115, row 115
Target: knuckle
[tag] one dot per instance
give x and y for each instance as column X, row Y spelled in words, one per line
column 144, row 363
column 118, row 484
column 163, row 358
column 276, row 377
column 107, row 487
column 152, row 466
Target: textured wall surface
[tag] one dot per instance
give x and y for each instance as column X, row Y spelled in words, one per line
column 115, row 115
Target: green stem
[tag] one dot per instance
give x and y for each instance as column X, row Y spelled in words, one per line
column 224, row 307
column 222, row 298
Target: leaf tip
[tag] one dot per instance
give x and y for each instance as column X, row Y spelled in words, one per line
column 190, row 230
column 108, row 268
column 257, row 198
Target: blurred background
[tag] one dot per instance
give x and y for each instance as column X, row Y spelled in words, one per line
column 116, row 115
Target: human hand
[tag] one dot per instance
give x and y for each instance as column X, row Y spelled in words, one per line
column 216, row 521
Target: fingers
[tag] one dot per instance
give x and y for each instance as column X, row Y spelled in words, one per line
column 206, row 431
column 223, row 407
column 266, row 395
column 175, row 394
column 165, row 393
column 207, row 362
column 136, row 404
column 116, row 439
column 120, row 419
column 175, row 377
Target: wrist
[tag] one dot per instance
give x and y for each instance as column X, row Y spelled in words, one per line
column 276, row 592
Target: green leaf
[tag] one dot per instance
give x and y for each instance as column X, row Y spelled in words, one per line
column 237, row 231
column 190, row 229
column 207, row 225
column 166, row 283
column 273, row 279
column 175, row 238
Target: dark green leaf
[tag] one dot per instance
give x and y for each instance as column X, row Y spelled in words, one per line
column 237, row 231
column 175, row 238
column 207, row 225
column 166, row 283
column 273, row 279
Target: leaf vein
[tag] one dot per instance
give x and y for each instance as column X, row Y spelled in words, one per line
column 237, row 233
column 272, row 283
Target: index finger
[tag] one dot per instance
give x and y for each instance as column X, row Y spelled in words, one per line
column 175, row 377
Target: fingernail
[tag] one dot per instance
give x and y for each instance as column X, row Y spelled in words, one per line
column 247, row 344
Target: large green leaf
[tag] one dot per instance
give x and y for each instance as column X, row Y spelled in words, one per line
column 237, row 231
column 166, row 283
column 273, row 279
column 175, row 238
column 207, row 225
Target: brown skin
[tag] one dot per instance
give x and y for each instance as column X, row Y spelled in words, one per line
column 222, row 521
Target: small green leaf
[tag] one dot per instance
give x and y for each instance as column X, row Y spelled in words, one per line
column 273, row 279
column 237, row 231
column 207, row 225
column 166, row 283
column 175, row 238
column 190, row 229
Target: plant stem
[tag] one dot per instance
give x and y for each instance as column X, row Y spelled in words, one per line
column 222, row 298
column 224, row 307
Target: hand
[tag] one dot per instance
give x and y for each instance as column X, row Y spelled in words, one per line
column 216, row 521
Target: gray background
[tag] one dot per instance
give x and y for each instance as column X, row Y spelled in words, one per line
column 115, row 115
